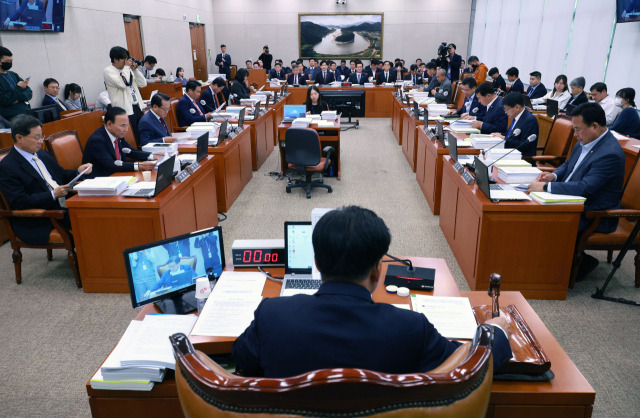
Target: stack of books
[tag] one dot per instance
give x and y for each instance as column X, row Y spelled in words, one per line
column 301, row 122
column 104, row 186
column 524, row 175
column 557, row 199
column 481, row 141
column 329, row 115
column 463, row 126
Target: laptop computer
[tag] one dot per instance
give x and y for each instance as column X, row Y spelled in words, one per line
column 164, row 179
column 293, row 111
column 202, row 146
column 570, row 109
column 527, row 101
column 552, row 107
column 495, row 192
column 453, row 150
column 298, row 254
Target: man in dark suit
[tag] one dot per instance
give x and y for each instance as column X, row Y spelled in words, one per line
column 210, row 98
column 536, row 88
column 358, row 76
column 107, row 150
column 516, row 83
column 442, row 92
column 189, row 110
column 471, row 108
column 30, row 178
column 277, row 72
column 387, row 75
column 495, row 120
column 153, row 126
column 455, row 61
column 594, row 170
column 523, row 126
column 578, row 95
column 51, row 91
column 223, row 61
column 324, row 76
column 313, row 69
column 341, row 326
column 296, row 78
column 372, row 70
column 416, row 79
column 498, row 82
column 343, row 70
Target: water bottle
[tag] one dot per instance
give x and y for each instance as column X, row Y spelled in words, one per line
column 201, row 303
column 203, row 289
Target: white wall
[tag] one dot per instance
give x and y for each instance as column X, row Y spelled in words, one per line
column 92, row 27
column 412, row 28
column 538, row 35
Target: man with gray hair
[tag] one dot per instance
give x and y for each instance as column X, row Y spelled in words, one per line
column 442, row 92
column 578, row 95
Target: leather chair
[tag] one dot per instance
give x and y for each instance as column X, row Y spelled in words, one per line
column 185, row 261
column 556, row 150
column 60, row 236
column 458, row 101
column 627, row 215
column 302, row 149
column 172, row 117
column 460, row 387
column 66, row 149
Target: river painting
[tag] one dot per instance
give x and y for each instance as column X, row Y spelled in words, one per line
column 340, row 35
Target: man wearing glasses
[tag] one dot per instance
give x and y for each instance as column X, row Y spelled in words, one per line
column 153, row 126
column 30, row 178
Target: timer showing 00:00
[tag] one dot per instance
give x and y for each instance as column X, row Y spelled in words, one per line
column 258, row 257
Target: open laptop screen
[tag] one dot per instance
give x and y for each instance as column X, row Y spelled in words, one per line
column 294, row 111
column 298, row 247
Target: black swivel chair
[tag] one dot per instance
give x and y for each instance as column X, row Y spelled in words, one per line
column 302, row 150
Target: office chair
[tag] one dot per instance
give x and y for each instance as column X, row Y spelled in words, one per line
column 302, row 150
column 45, row 114
column 66, row 149
column 460, row 387
column 556, row 149
column 172, row 118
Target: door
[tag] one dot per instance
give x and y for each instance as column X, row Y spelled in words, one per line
column 134, row 39
column 198, row 48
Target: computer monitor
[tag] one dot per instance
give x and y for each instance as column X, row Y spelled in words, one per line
column 241, row 117
column 202, row 147
column 440, row 131
column 295, row 111
column 45, row 114
column 552, row 107
column 453, row 146
column 164, row 272
column 222, row 132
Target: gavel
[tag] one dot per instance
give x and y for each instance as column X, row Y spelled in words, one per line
column 494, row 291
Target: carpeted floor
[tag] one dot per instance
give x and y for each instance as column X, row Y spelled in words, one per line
column 54, row 336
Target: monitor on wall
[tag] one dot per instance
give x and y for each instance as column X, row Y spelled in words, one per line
column 32, row 15
column 628, row 11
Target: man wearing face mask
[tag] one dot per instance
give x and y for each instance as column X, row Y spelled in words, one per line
column 480, row 70
column 14, row 92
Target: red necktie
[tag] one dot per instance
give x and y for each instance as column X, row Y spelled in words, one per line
column 197, row 107
column 165, row 125
column 117, row 149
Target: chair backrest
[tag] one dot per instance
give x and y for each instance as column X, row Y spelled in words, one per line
column 45, row 114
column 454, row 90
column 302, row 147
column 66, row 149
column 130, row 138
column 631, row 192
column 3, row 202
column 459, row 98
column 460, row 388
column 186, row 261
column 560, row 137
column 172, row 115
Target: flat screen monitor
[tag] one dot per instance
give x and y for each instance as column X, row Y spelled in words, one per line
column 627, row 11
column 39, row 16
column 222, row 131
column 202, row 147
column 164, row 272
column 241, row 117
column 295, row 111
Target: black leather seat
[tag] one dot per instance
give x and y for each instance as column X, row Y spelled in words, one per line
column 302, row 150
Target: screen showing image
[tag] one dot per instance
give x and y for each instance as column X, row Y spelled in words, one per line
column 300, row 247
column 32, row 15
column 294, row 111
column 628, row 11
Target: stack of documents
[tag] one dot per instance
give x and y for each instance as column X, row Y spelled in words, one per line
column 451, row 316
column 249, row 102
column 518, row 174
column 480, row 141
column 324, row 123
column 198, row 128
column 558, row 199
column 369, row 85
column 301, row 122
column 504, row 153
column 154, row 147
column 512, row 163
column 235, row 109
column 104, row 186
column 463, row 126
column 329, row 115
column 336, row 84
column 436, row 109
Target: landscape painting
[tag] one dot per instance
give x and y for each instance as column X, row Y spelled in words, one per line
column 344, row 35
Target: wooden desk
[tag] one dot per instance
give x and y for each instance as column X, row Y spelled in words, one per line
column 173, row 90
column 488, row 237
column 396, row 117
column 429, row 158
column 262, row 138
column 409, row 136
column 328, row 136
column 278, row 110
column 84, row 124
column 232, row 163
column 104, row 226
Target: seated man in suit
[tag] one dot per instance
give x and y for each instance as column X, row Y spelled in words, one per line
column 153, row 126
column 210, row 98
column 51, row 91
column 516, row 83
column 523, row 132
column 442, row 92
column 313, row 69
column 177, row 276
column 498, row 82
column 471, row 108
column 429, row 75
column 324, row 76
column 296, row 78
column 107, row 150
column 277, row 73
column 536, row 88
column 189, row 110
column 578, row 96
column 30, row 178
column 340, row 325
column 604, row 99
column 416, row 79
column 387, row 75
column 358, row 76
column 495, row 120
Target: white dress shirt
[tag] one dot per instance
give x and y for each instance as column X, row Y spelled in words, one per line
column 611, row 111
column 562, row 98
column 29, row 157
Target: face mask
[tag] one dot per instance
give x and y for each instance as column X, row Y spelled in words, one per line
column 6, row 66
column 474, row 66
column 618, row 101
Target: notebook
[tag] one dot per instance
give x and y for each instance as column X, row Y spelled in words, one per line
column 495, row 191
column 298, row 253
column 163, row 180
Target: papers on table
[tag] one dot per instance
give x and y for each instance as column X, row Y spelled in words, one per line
column 104, row 186
column 451, row 316
column 518, row 174
column 229, row 309
column 463, row 126
column 563, row 199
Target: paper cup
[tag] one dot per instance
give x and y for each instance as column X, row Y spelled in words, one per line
column 146, row 175
column 203, row 288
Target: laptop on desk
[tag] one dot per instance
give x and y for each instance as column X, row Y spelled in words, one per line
column 452, row 143
column 164, row 179
column 292, row 112
column 298, row 253
column 527, row 101
column 495, row 192
column 552, row 107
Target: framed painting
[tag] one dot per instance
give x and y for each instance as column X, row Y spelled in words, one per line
column 340, row 35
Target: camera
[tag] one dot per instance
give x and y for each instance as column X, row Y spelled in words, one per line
column 443, row 50
column 138, row 62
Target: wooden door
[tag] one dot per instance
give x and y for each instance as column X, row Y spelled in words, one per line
column 198, row 49
column 134, row 39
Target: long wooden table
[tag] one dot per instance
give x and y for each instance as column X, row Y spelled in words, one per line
column 104, row 226
column 409, row 136
column 567, row 395
column 396, row 117
column 262, row 137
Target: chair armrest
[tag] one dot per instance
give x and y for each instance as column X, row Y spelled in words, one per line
column 451, row 106
column 328, row 150
column 612, row 213
column 33, row 213
column 180, row 128
column 547, row 158
column 547, row 169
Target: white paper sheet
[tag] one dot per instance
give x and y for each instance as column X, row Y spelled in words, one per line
column 451, row 316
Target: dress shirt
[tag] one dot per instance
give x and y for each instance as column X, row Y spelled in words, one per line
column 611, row 111
column 30, row 158
column 562, row 98
column 469, row 101
column 123, row 157
column 533, row 89
column 58, row 102
column 489, row 105
column 515, row 121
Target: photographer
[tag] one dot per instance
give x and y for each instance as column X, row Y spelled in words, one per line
column 454, row 61
column 266, row 58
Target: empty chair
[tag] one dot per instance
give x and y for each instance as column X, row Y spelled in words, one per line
column 302, row 149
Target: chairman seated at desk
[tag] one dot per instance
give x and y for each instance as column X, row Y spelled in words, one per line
column 340, row 325
column 153, row 126
column 177, row 276
column 324, row 76
column 189, row 110
column 297, row 77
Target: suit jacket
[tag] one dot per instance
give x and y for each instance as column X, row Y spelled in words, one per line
column 581, row 98
column 419, row 78
column 150, row 129
column 224, row 65
column 392, row 77
column 48, row 101
column 454, row 67
column 24, row 188
column 274, row 74
column 540, row 91
column 346, row 72
column 599, row 178
column 495, row 120
column 240, row 90
column 187, row 112
column 319, row 80
column 209, row 100
column 100, row 152
column 499, row 83
column 302, row 79
column 517, row 87
column 443, row 92
column 340, row 326
column 353, row 78
column 311, row 72
column 476, row 109
column 526, row 126
column 119, row 92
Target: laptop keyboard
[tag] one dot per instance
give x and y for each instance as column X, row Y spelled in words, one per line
column 143, row 192
column 495, row 187
column 302, row 284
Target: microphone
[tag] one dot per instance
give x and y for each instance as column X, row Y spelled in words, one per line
column 223, row 116
column 406, row 262
column 126, row 150
column 530, row 139
column 515, row 133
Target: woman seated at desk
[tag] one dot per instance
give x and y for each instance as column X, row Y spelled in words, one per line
column 72, row 93
column 315, row 104
column 628, row 121
column 560, row 93
column 240, row 86
column 180, row 76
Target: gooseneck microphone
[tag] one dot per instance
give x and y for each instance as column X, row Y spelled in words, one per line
column 530, row 139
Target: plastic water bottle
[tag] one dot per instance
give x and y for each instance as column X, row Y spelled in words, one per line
column 201, row 303
column 203, row 289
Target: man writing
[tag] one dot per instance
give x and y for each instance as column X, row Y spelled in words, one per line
column 495, row 120
column 523, row 126
column 153, row 126
column 471, row 108
column 340, row 325
column 210, row 98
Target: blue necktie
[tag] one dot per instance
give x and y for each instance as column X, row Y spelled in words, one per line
column 513, row 122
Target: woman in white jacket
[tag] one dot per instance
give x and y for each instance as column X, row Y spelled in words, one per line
column 560, row 93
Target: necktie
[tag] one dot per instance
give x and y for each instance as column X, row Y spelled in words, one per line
column 117, row 149
column 44, row 172
column 513, row 122
column 197, row 107
column 324, row 76
column 414, row 80
column 295, row 79
column 215, row 100
column 60, row 104
column 386, row 77
column 358, row 78
column 164, row 124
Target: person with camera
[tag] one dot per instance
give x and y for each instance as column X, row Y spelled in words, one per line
column 454, row 61
column 266, row 58
column 123, row 80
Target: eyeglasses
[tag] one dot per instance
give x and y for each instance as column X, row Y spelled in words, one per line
column 166, row 108
column 38, row 138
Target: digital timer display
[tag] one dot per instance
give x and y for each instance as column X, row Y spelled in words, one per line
column 253, row 253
